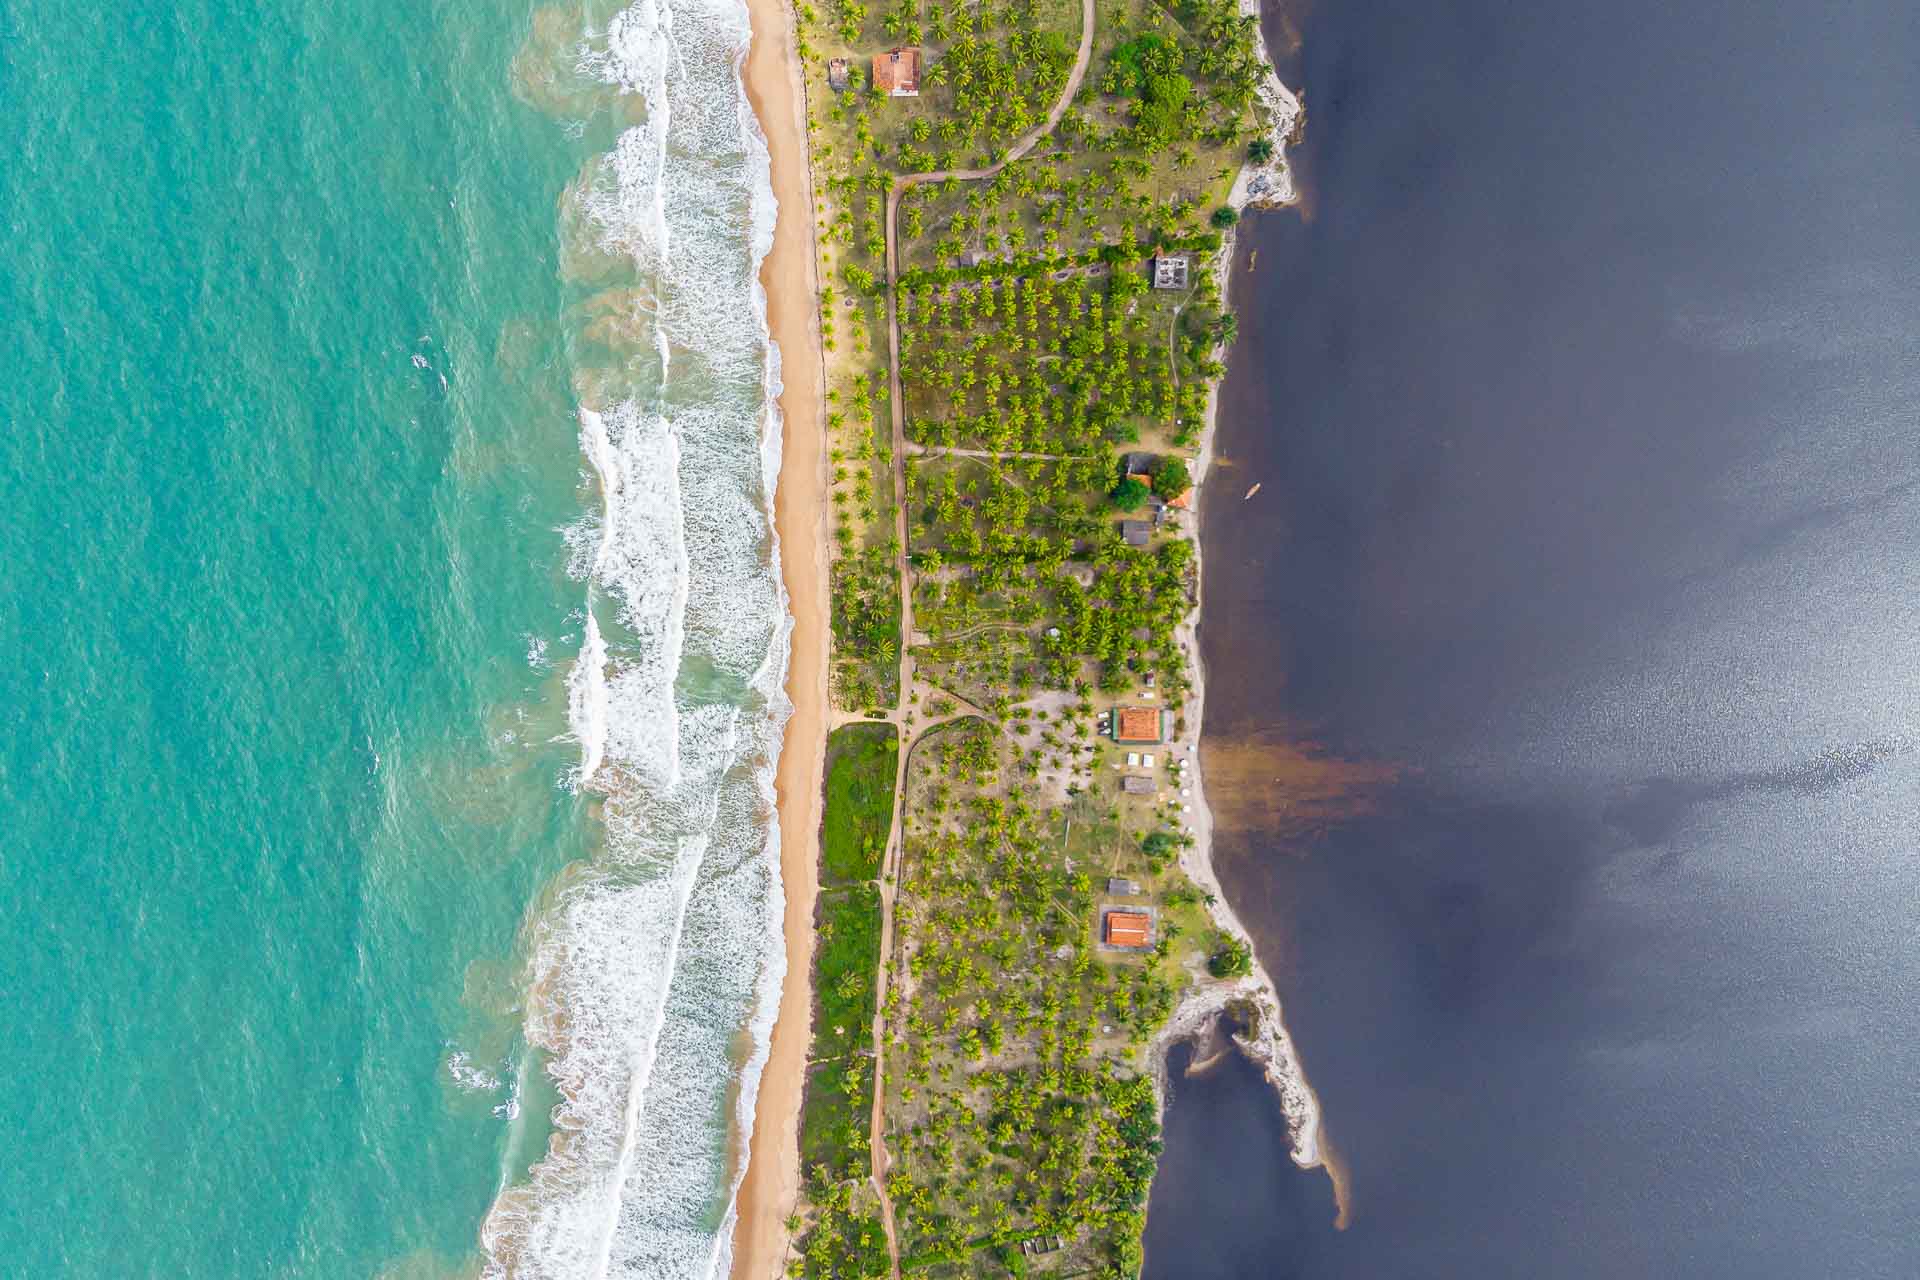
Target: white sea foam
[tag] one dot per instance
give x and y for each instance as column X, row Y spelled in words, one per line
column 474, row 1079
column 587, row 701
column 639, row 557
column 655, row 969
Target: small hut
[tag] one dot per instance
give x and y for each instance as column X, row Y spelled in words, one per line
column 1170, row 270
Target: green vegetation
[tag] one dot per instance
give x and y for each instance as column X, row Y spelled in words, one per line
column 1033, row 349
column 1231, row 958
column 865, row 591
column 844, row 1238
column 1171, row 478
column 1016, row 1107
column 1160, row 848
column 1152, row 70
column 846, row 955
column 1136, row 63
column 1049, row 375
column 1146, row 150
column 861, row 762
column 1067, row 367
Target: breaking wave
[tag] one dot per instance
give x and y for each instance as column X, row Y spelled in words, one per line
column 655, row 968
column 468, row 1075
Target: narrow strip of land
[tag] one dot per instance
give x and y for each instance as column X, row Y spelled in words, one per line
column 1026, row 600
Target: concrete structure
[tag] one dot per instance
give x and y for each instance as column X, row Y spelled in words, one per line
column 1121, row 888
column 896, row 72
column 1136, row 532
column 1170, row 270
column 1135, row 785
column 839, row 74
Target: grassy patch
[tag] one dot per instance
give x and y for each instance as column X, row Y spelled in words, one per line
column 860, row 769
column 846, row 954
column 843, row 1237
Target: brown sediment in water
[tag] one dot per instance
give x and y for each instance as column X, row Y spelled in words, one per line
column 772, row 1183
column 621, row 319
column 1335, row 1166
column 1290, row 788
column 1285, row 786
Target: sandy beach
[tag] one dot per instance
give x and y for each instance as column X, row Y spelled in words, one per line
column 772, row 1183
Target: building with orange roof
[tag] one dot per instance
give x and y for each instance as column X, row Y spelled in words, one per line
column 1127, row 929
column 1139, row 724
column 896, row 72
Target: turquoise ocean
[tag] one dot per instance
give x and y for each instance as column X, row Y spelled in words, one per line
column 393, row 642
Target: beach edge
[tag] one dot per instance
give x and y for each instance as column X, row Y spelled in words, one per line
column 771, row 1186
column 1267, row 184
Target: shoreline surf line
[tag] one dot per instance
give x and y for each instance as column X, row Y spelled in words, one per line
column 771, row 75
column 675, row 914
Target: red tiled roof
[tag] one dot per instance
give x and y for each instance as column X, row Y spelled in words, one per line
column 897, row 71
column 1128, row 929
column 1136, row 724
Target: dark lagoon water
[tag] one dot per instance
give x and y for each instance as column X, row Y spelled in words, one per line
column 1569, row 778
column 1227, row 1124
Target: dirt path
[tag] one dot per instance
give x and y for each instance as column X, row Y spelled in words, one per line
column 889, row 888
column 1081, row 59
column 901, row 715
column 941, row 451
column 889, row 880
column 981, row 629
